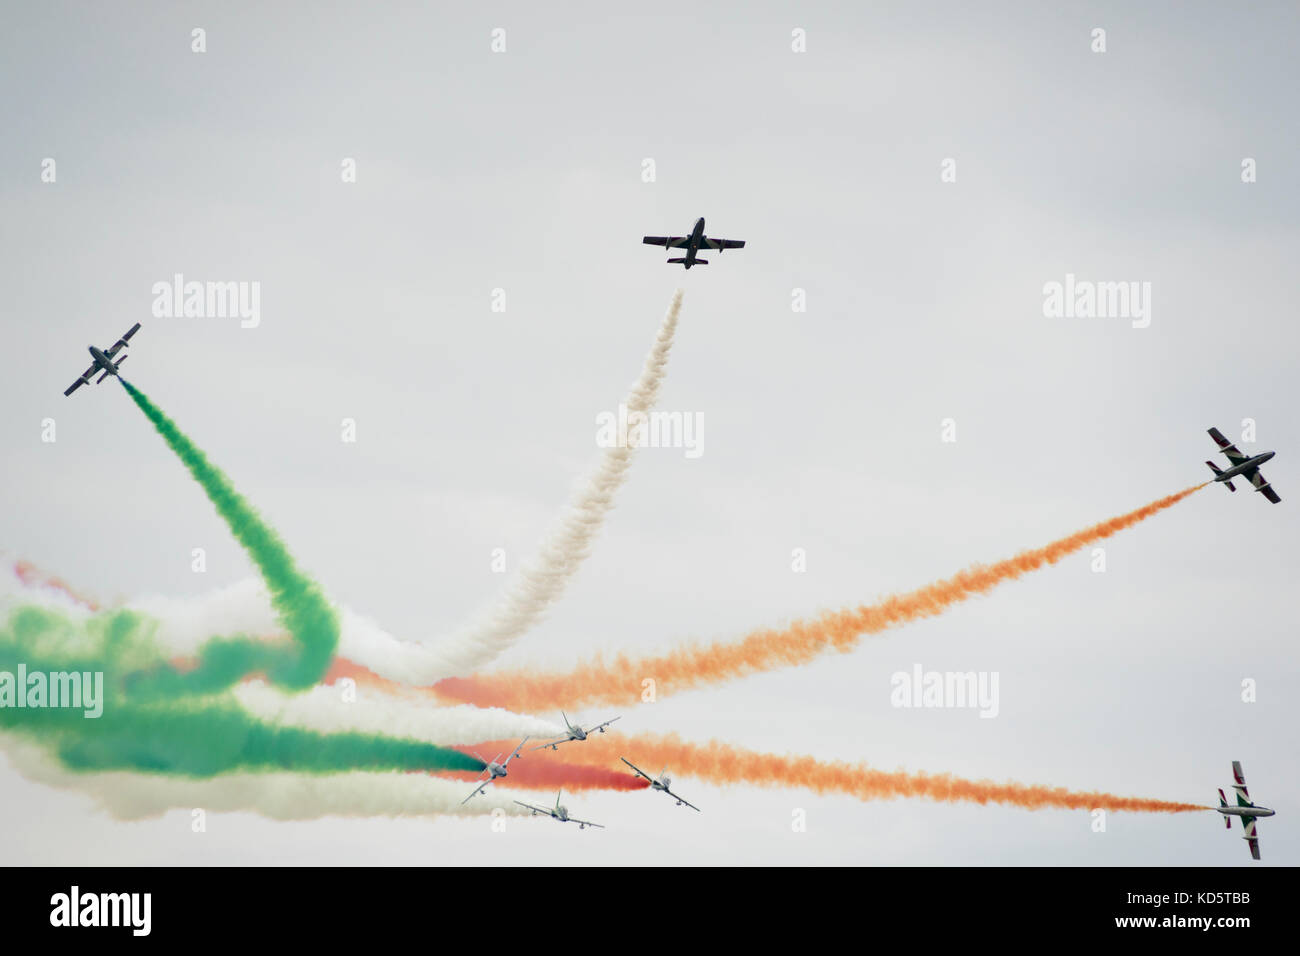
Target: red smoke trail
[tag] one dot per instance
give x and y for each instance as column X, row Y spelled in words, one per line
column 33, row 577
column 540, row 770
column 620, row 681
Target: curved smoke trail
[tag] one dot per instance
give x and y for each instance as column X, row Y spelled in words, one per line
column 544, row 579
column 620, row 681
column 302, row 609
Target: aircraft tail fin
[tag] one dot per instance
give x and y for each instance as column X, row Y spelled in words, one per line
column 100, row 380
column 1218, row 471
column 1223, row 801
column 120, row 361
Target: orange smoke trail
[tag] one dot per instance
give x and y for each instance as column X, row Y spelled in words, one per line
column 721, row 763
column 619, row 681
column 536, row 772
column 32, row 577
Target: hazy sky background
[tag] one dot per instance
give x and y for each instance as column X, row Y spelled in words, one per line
column 522, row 171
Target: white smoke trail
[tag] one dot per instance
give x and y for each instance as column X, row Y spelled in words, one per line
column 279, row 796
column 545, row 578
column 331, row 709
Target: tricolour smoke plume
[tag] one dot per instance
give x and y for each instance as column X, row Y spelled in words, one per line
column 87, row 691
column 620, row 680
column 721, row 763
column 398, row 712
column 299, row 603
column 544, row 770
column 543, row 580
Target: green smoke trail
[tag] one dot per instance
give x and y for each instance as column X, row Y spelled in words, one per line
column 199, row 736
column 301, row 607
column 151, row 715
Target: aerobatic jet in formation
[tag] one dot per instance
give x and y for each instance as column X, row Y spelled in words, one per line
column 1247, row 468
column 693, row 243
column 575, row 732
column 103, row 360
column 662, row 782
column 560, row 813
column 494, row 770
column 1244, row 809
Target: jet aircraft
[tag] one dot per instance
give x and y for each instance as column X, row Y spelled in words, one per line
column 560, row 813
column 494, row 770
column 661, row 783
column 575, row 732
column 1248, row 468
column 693, row 243
column 1248, row 811
column 103, row 360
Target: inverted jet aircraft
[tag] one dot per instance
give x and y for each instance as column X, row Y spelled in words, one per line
column 103, row 360
column 575, row 732
column 661, row 783
column 494, row 770
column 693, row 243
column 1244, row 809
column 1248, row 468
column 560, row 813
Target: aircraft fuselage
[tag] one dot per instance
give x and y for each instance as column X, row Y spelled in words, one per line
column 102, row 360
column 1246, row 467
column 696, row 240
column 1245, row 811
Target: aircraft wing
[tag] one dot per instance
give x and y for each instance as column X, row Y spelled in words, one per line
column 516, row 751
column 1253, row 841
column 586, row 823
column 683, row 800
column 1239, row 784
column 1263, row 487
column 601, row 727
column 723, row 243
column 85, row 376
column 535, row 809
column 554, row 743
column 637, row 770
column 477, row 790
column 1228, row 448
column 117, row 346
column 668, row 242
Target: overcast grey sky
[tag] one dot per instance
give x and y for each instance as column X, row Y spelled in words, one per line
column 522, row 171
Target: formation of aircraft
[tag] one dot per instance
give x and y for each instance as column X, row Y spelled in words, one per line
column 1247, row 468
column 575, row 732
column 560, row 813
column 106, row 363
column 693, row 243
column 494, row 770
column 662, row 782
column 103, row 360
column 1248, row 811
